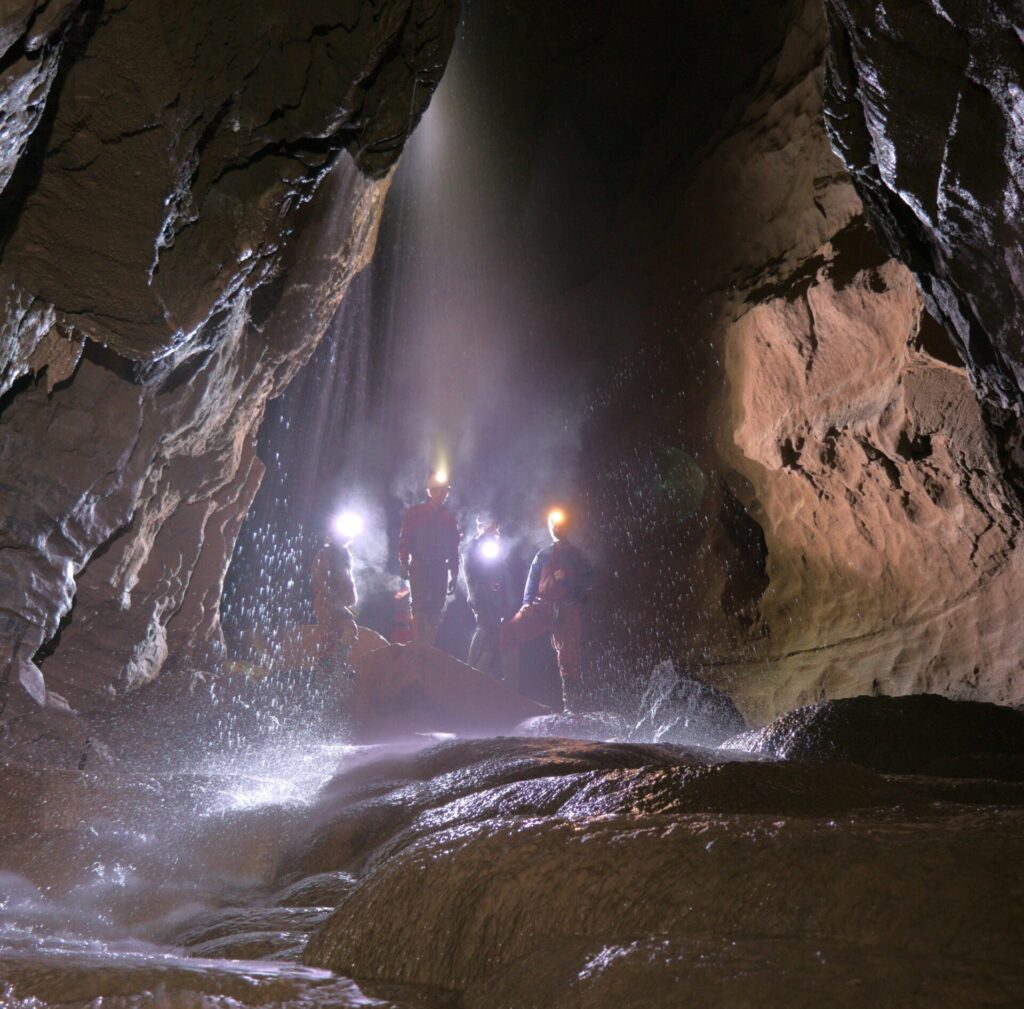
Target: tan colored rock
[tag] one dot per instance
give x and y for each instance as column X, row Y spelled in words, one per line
column 795, row 495
column 890, row 528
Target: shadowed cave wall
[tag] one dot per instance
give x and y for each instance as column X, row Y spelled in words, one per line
column 180, row 220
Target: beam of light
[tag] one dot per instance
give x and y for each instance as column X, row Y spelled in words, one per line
column 347, row 525
column 556, row 516
column 491, row 549
column 440, row 475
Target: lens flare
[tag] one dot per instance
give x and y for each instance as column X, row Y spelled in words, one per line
column 347, row 525
column 491, row 549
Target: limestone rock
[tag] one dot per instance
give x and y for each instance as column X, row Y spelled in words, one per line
column 189, row 190
column 577, row 725
column 532, row 872
column 922, row 105
column 388, row 804
column 679, row 709
column 920, row 734
column 797, row 490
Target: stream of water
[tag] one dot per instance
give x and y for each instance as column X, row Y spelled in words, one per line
column 100, row 903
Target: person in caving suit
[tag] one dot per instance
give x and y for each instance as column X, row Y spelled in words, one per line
column 487, row 594
column 428, row 551
column 556, row 588
column 334, row 592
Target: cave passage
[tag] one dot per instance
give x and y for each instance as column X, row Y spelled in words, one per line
column 705, row 318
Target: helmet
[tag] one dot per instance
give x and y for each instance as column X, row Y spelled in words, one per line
column 438, row 480
column 438, row 486
column 558, row 523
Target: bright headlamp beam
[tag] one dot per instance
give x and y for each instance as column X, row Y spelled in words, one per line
column 347, row 525
column 491, row 549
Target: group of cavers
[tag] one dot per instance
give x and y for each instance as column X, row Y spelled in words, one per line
column 430, row 554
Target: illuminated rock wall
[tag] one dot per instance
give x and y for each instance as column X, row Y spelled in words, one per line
column 857, row 529
column 189, row 190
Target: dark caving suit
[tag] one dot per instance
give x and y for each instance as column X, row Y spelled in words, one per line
column 334, row 591
column 487, row 582
column 557, row 586
column 428, row 548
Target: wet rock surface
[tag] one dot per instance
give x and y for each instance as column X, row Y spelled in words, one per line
column 789, row 471
column 189, row 192
column 923, row 734
column 922, row 105
column 517, row 872
column 543, row 873
column 680, row 709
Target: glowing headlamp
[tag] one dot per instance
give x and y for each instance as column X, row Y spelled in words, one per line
column 347, row 525
column 490, row 549
column 556, row 516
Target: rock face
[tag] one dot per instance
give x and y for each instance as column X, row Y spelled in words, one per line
column 797, row 494
column 180, row 221
column 543, row 873
column 890, row 522
column 923, row 105
column 792, row 487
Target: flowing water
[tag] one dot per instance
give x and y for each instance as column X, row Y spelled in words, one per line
column 154, row 889
column 508, row 872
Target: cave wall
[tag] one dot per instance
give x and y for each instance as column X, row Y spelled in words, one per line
column 924, row 106
column 189, row 190
column 888, row 500
column 788, row 479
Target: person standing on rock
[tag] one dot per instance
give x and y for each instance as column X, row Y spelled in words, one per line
column 487, row 585
column 556, row 588
column 334, row 592
column 428, row 551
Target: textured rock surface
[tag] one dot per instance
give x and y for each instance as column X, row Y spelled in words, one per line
column 621, row 875
column 514, row 872
column 676, row 709
column 179, row 205
column 891, row 529
column 797, row 493
column 924, row 106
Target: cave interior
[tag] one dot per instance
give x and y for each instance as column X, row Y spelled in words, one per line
column 739, row 286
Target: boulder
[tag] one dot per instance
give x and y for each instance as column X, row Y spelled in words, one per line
column 676, row 708
column 556, row 872
column 574, row 725
column 404, row 689
column 920, row 734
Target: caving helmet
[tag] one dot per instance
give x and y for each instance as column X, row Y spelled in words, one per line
column 559, row 524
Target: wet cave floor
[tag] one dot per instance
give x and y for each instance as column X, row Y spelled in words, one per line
column 510, row 872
